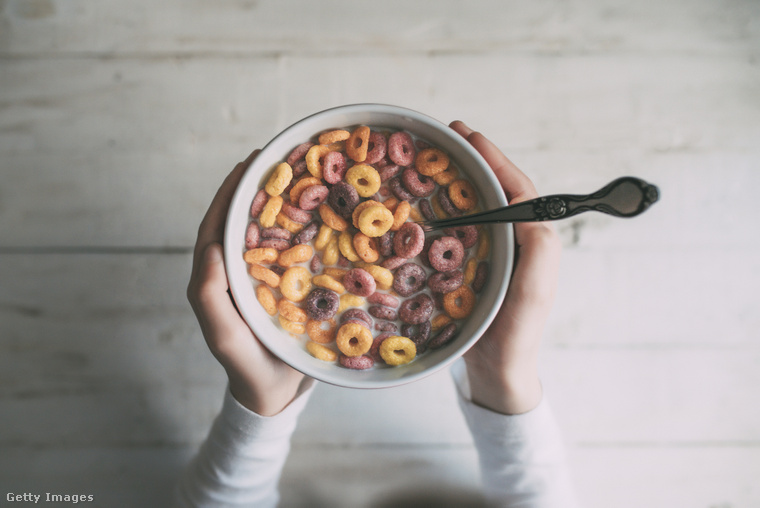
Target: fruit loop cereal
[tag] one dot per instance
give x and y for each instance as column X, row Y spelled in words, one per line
column 338, row 260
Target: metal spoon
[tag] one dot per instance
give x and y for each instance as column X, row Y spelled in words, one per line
column 625, row 197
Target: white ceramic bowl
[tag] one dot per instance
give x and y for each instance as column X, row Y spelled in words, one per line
column 290, row 349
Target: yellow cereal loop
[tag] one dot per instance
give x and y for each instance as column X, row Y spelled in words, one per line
column 287, row 223
column 446, row 176
column 383, row 277
column 364, row 178
column 484, row 245
column 332, row 253
column 353, row 339
column 358, row 143
column 416, row 215
column 316, row 332
column 330, row 137
column 314, row 160
column 260, row 255
column 264, row 274
column 269, row 213
column 328, row 282
column 290, row 326
column 469, row 270
column 291, row 311
column 366, row 248
column 437, row 209
column 294, row 255
column 295, row 283
column 321, row 352
column 266, row 298
column 346, row 246
column 279, row 180
column 324, row 235
column 398, row 350
column 440, row 321
column 348, row 300
column 400, row 215
column 375, row 221
column 335, row 272
column 360, row 208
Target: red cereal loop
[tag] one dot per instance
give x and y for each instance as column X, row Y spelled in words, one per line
column 259, row 201
column 359, row 282
column 252, row 235
column 334, row 167
column 295, row 213
column 377, row 148
column 299, row 153
column 446, row 254
column 417, row 183
column 401, row 148
column 313, row 196
column 356, row 362
column 409, row 240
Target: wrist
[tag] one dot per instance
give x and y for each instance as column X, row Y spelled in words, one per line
column 506, row 391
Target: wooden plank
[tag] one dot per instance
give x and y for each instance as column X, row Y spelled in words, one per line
column 33, row 27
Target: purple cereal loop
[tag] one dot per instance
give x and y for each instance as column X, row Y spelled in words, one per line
column 383, row 299
column 444, row 336
column 426, row 248
column 359, row 315
column 481, row 276
column 279, row 270
column 374, row 350
column 381, row 312
column 389, row 171
column 377, row 148
column 313, row 196
column 446, row 254
column 299, row 168
column 399, row 191
column 343, row 198
column 315, row 265
column 385, row 244
column 252, row 236
column 359, row 282
column 409, row 279
column 409, row 240
column 258, row 203
column 356, row 362
column 393, row 262
column 416, row 310
column 334, row 167
column 419, row 334
column 306, row 235
column 276, row 232
column 427, row 209
column 445, row 201
column 296, row 214
column 385, row 326
column 322, row 304
column 299, row 153
column 274, row 243
column 401, row 148
column 420, row 185
column 445, row 282
column 468, row 235
column 343, row 262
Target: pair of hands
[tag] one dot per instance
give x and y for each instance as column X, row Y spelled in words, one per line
column 502, row 366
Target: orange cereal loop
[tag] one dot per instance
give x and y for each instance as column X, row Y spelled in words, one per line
column 332, row 219
column 279, row 179
column 447, row 176
column 401, row 215
column 291, row 326
column 353, row 339
column 316, row 332
column 260, row 255
column 358, row 143
column 391, row 203
column 469, row 270
column 463, row 195
column 366, row 248
column 398, row 350
column 346, row 246
column 415, row 215
column 300, row 186
column 360, row 208
column 365, row 179
column 324, row 235
column 327, row 138
column 314, row 159
column 440, row 321
column 484, row 245
column 266, row 298
column 375, row 221
column 332, row 252
column 296, row 254
column 295, row 283
column 459, row 303
column 288, row 223
column 265, row 275
column 291, row 311
column 269, row 213
column 328, row 282
column 431, row 161
column 321, row 352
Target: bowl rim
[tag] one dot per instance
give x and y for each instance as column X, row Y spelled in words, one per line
column 232, row 258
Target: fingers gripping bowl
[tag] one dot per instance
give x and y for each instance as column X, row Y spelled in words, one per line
column 292, row 349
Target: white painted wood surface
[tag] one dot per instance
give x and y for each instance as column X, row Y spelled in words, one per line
column 119, row 120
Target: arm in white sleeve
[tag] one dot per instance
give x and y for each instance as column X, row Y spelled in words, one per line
column 521, row 457
column 242, row 458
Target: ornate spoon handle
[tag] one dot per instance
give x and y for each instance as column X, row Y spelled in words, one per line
column 625, row 197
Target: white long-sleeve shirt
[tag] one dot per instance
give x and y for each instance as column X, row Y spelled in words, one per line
column 240, row 463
